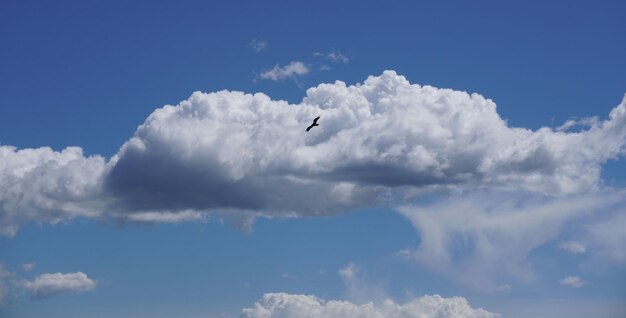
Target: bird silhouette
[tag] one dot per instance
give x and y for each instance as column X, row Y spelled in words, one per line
column 314, row 123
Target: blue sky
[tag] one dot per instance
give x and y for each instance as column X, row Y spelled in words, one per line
column 87, row 74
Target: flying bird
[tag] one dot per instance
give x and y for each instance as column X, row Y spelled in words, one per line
column 314, row 123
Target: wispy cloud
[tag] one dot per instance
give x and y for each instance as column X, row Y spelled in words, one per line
column 292, row 70
column 258, row 44
column 573, row 281
column 27, row 267
column 497, row 231
column 333, row 57
column 166, row 217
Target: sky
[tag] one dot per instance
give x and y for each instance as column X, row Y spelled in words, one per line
column 469, row 160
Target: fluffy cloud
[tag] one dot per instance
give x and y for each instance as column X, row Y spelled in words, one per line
column 291, row 70
column 573, row 281
column 305, row 306
column 480, row 241
column 245, row 155
column 48, row 285
column 47, row 186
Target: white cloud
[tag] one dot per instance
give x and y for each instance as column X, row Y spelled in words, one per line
column 573, row 247
column 381, row 142
column 573, row 281
column 258, row 44
column 291, row 70
column 47, row 186
column 306, row 306
column 48, row 285
column 481, row 238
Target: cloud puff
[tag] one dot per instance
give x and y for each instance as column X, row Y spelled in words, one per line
column 291, row 70
column 480, row 241
column 305, row 306
column 380, row 142
column 573, row 281
column 48, row 285
column 573, row 247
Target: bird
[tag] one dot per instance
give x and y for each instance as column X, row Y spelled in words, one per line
column 313, row 124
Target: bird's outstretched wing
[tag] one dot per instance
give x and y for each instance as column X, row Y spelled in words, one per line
column 314, row 123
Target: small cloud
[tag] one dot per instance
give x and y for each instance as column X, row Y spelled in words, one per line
column 48, row 285
column 258, row 44
column 291, row 70
column 27, row 267
column 322, row 272
column 573, row 281
column 287, row 276
column 333, row 57
column 349, row 271
column 404, row 253
column 573, row 247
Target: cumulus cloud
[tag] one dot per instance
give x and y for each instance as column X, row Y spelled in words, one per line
column 47, row 186
column 379, row 142
column 292, row 70
column 480, row 241
column 258, row 44
column 307, row 306
column 573, row 247
column 573, row 281
column 48, row 285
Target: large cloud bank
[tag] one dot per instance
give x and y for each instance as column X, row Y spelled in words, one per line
column 232, row 153
column 283, row 305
